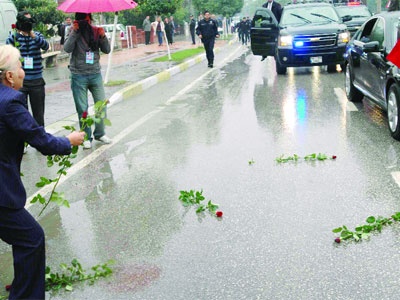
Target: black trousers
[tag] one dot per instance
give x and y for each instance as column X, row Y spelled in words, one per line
column 209, row 47
column 193, row 36
column 20, row 230
column 35, row 93
column 147, row 37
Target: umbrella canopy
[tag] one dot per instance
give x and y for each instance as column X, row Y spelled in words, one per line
column 96, row 6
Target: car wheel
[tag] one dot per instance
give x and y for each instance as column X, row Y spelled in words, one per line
column 393, row 110
column 331, row 68
column 279, row 69
column 352, row 93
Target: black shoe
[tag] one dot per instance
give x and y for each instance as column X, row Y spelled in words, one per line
column 263, row 58
column 210, row 66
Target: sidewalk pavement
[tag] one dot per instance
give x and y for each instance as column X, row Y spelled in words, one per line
column 133, row 66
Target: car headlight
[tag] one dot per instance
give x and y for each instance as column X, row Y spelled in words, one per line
column 285, row 41
column 344, row 37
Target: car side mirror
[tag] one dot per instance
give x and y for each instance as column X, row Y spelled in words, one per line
column 371, row 47
column 347, row 18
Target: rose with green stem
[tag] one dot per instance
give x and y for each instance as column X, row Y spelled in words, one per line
column 64, row 161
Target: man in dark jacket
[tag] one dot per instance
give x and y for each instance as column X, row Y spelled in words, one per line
column 275, row 7
column 207, row 30
column 244, row 29
column 192, row 26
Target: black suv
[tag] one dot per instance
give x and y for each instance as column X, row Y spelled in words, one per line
column 369, row 73
column 358, row 12
column 308, row 34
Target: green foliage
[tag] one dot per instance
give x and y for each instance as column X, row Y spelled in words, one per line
column 157, row 7
column 196, row 198
column 362, row 232
column 226, row 8
column 73, row 274
column 308, row 157
column 251, row 162
column 45, row 12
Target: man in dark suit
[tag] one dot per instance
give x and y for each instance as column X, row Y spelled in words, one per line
column 276, row 9
column 17, row 226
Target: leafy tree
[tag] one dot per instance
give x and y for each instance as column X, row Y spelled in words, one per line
column 45, row 12
column 226, row 8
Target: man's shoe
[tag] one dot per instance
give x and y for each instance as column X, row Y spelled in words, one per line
column 87, row 144
column 263, row 58
column 105, row 139
column 210, row 65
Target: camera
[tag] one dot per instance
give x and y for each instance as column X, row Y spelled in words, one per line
column 23, row 23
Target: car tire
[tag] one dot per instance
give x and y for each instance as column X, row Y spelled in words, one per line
column 352, row 93
column 279, row 69
column 331, row 68
column 393, row 111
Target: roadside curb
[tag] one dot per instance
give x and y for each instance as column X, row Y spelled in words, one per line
column 135, row 89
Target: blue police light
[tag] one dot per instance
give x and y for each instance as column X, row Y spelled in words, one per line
column 299, row 44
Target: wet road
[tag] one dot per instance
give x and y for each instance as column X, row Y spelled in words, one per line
column 198, row 131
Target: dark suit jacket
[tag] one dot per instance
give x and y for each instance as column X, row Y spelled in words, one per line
column 276, row 9
column 17, row 126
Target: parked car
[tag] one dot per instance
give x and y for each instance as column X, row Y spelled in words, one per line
column 369, row 73
column 358, row 12
column 108, row 29
column 309, row 34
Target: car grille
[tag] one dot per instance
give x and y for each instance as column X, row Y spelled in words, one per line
column 316, row 40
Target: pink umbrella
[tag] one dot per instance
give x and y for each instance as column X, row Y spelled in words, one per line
column 98, row 6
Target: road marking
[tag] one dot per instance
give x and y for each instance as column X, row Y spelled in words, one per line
column 116, row 139
column 342, row 99
column 396, row 177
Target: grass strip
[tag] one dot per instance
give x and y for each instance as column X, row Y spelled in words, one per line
column 180, row 56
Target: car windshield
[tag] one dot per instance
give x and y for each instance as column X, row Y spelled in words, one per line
column 353, row 11
column 308, row 14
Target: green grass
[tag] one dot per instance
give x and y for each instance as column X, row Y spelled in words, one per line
column 114, row 83
column 180, row 56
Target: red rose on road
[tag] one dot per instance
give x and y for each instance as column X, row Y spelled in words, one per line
column 84, row 115
column 219, row 214
column 337, row 240
column 13, row 26
column 333, row 156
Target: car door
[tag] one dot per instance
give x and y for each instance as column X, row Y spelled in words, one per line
column 264, row 32
column 372, row 62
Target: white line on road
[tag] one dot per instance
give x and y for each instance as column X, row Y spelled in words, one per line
column 116, row 139
column 342, row 99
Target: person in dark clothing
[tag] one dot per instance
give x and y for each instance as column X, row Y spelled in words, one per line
column 392, row 5
column 168, row 30
column 244, row 29
column 17, row 226
column 192, row 26
column 62, row 29
column 275, row 7
column 207, row 31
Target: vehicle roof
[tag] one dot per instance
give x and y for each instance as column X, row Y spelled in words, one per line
column 311, row 4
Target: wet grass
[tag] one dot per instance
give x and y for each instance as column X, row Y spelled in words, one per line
column 114, row 83
column 180, row 56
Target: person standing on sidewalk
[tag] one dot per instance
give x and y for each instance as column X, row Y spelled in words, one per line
column 173, row 27
column 168, row 31
column 147, row 29
column 192, row 27
column 85, row 42
column 30, row 43
column 17, row 226
column 63, row 29
column 207, row 30
column 159, row 28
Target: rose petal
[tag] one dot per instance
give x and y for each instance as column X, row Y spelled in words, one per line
column 337, row 240
column 219, row 214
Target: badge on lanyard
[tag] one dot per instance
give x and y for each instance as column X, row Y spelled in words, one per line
column 89, row 57
column 28, row 62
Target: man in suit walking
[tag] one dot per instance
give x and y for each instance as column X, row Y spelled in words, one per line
column 276, row 9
